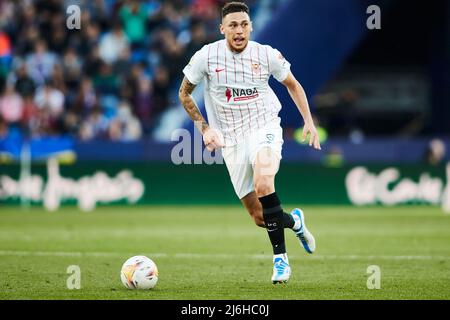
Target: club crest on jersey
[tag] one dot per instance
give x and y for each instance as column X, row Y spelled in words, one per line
column 241, row 94
column 256, row 68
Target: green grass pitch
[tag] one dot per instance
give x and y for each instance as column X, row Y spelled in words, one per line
column 215, row 252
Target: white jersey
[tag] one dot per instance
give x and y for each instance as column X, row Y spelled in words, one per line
column 238, row 98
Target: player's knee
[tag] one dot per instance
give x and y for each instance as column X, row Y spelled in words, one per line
column 263, row 186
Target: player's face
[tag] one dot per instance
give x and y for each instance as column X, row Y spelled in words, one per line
column 236, row 27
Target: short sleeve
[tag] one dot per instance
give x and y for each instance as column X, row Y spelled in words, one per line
column 279, row 66
column 195, row 70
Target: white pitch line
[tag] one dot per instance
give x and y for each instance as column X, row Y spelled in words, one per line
column 216, row 256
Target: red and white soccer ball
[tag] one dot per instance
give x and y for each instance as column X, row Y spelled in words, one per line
column 139, row 272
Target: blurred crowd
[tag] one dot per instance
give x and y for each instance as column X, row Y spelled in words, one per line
column 111, row 78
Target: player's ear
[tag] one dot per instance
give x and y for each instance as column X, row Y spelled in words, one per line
column 222, row 29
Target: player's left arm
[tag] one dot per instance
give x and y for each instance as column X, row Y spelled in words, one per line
column 299, row 97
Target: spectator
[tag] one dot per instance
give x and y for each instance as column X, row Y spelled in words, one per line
column 40, row 63
column 169, row 16
column 113, row 44
column 105, row 81
column 11, row 106
column 197, row 41
column 89, row 39
column 161, row 90
column 172, row 53
column 95, row 126
column 58, row 36
column 205, row 9
column 72, row 68
column 30, row 112
column 24, row 85
column 86, row 98
column 99, row 11
column 209, row 13
column 26, row 40
column 123, row 64
column 144, row 104
column 125, row 127
column 6, row 13
column 435, row 152
column 134, row 19
column 136, row 75
column 27, row 32
column 44, row 124
column 48, row 97
column 5, row 54
column 58, row 79
column 71, row 123
column 92, row 62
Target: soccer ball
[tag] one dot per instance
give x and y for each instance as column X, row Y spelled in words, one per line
column 139, row 272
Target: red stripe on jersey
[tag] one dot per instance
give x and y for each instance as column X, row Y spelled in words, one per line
column 249, row 118
column 242, row 120
column 226, row 76
column 257, row 114
column 259, row 63
column 234, row 125
column 217, row 65
column 209, row 49
column 251, row 61
column 219, row 120
column 226, row 119
column 234, row 60
column 243, row 72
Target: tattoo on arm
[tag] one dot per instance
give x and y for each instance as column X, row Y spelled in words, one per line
column 190, row 106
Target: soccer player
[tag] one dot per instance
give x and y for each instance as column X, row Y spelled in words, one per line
column 243, row 120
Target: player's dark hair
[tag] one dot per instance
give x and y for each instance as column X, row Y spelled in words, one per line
column 234, row 6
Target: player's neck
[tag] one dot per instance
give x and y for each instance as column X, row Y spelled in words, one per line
column 230, row 48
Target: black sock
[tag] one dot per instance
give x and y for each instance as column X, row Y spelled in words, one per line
column 288, row 221
column 273, row 218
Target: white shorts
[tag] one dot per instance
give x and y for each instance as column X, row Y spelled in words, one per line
column 240, row 158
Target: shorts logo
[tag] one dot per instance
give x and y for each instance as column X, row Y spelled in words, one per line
column 270, row 137
column 241, row 94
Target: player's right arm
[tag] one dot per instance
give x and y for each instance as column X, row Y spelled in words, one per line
column 185, row 95
column 194, row 73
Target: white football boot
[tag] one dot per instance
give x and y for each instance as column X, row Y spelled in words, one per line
column 305, row 237
column 281, row 268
